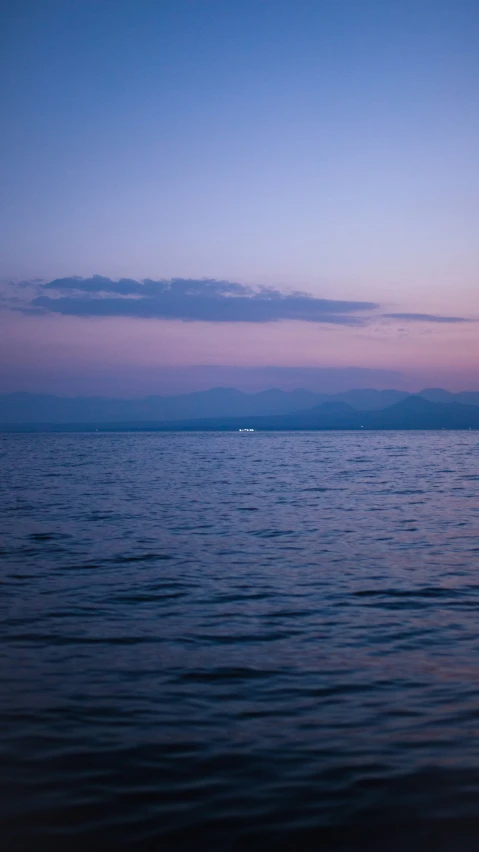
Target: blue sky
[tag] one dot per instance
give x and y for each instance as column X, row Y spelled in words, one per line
column 325, row 146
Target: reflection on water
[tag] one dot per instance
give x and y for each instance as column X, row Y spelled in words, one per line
column 212, row 641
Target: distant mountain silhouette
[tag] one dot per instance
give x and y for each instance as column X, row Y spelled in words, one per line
column 440, row 395
column 45, row 408
column 366, row 408
column 414, row 412
column 368, row 399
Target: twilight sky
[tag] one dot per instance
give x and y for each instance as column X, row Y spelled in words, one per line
column 246, row 192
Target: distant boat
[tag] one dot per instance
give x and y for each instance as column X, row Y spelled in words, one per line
column 245, row 430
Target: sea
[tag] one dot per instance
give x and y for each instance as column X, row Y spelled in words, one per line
column 239, row 641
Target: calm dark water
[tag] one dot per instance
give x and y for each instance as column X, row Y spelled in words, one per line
column 235, row 641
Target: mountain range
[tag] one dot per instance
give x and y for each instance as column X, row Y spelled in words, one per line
column 26, row 408
column 230, row 409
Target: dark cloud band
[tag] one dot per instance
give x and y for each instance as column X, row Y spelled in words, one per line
column 200, row 300
column 426, row 318
column 190, row 299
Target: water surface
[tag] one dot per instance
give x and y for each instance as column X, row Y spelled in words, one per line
column 239, row 641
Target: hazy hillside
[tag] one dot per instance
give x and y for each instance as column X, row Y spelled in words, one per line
column 368, row 399
column 217, row 402
column 413, row 412
column 444, row 396
column 25, row 408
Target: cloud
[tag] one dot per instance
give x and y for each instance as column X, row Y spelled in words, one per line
column 426, row 318
column 190, row 299
column 205, row 300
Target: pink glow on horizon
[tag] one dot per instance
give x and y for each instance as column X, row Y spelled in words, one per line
column 133, row 356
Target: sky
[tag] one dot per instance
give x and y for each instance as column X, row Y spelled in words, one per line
column 238, row 192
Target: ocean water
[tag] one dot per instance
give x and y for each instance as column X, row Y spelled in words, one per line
column 239, row 641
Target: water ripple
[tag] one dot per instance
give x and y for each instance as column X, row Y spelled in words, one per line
column 212, row 642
